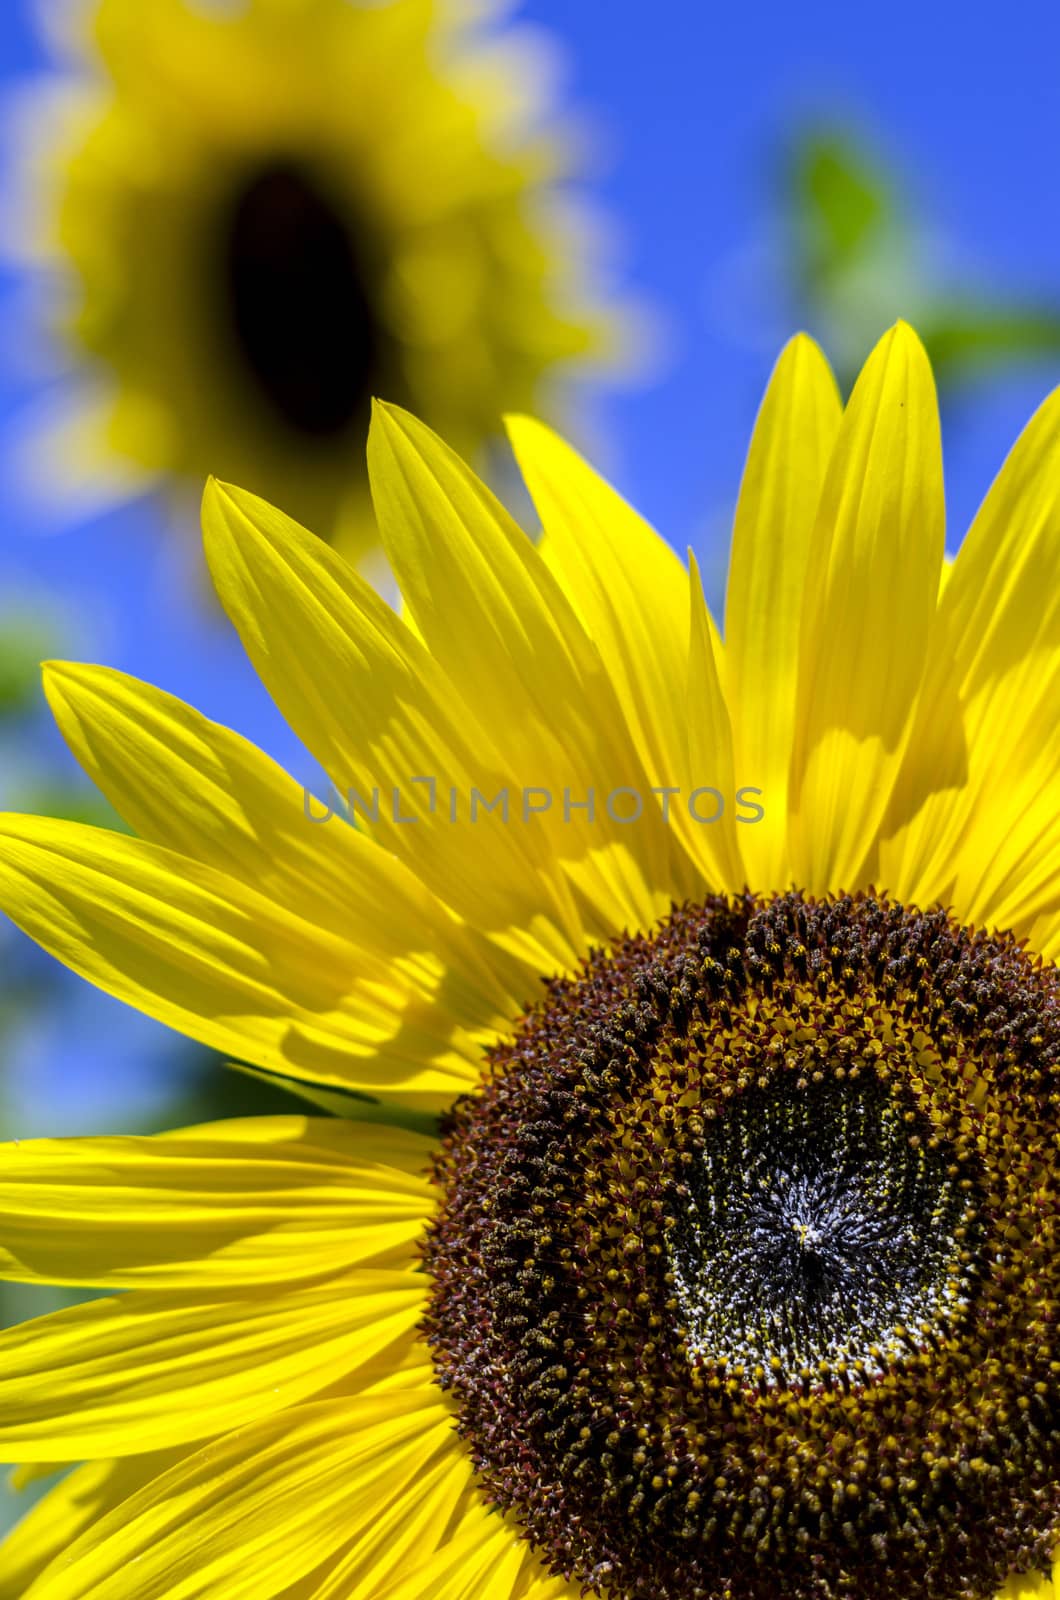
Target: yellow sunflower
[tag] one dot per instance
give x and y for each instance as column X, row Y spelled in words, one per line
column 732, row 1269
column 263, row 212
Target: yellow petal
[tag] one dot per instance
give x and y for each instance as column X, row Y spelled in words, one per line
column 442, row 1493
column 224, row 963
column 1032, row 1586
column 150, row 1370
column 74, row 1504
column 975, row 820
column 871, row 587
column 775, row 517
column 197, row 788
column 543, row 1586
column 486, row 1558
column 498, row 622
column 269, row 1200
column 626, row 584
column 708, row 789
column 377, row 712
column 257, row 1510
column 1044, row 936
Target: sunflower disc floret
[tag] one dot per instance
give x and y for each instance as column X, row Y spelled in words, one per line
column 745, row 1276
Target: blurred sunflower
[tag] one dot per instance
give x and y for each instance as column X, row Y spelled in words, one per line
column 264, row 212
column 733, row 1268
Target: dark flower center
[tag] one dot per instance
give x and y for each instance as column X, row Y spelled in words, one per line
column 745, row 1278
column 817, row 1235
column 299, row 301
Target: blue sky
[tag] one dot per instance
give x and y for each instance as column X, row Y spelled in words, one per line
column 690, row 103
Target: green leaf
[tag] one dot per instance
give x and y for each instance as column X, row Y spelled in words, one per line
column 842, row 198
column 980, row 336
column 24, row 644
column 859, row 257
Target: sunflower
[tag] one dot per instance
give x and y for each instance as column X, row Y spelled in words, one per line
column 731, row 1268
column 263, row 213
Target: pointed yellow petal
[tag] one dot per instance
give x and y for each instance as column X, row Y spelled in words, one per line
column 195, row 787
column 222, row 962
column 706, row 802
column 872, row 584
column 975, row 820
column 257, row 1510
column 626, row 584
column 378, row 712
column 496, row 619
column 775, row 518
column 151, row 1370
column 271, row 1200
column 490, row 611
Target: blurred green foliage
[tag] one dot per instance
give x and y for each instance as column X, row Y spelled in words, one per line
column 862, row 256
column 24, row 643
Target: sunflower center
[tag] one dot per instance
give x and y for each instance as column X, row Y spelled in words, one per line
column 744, row 1277
column 819, row 1227
column 299, row 301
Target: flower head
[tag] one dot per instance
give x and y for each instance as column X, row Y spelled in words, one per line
column 261, row 214
column 732, row 1268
